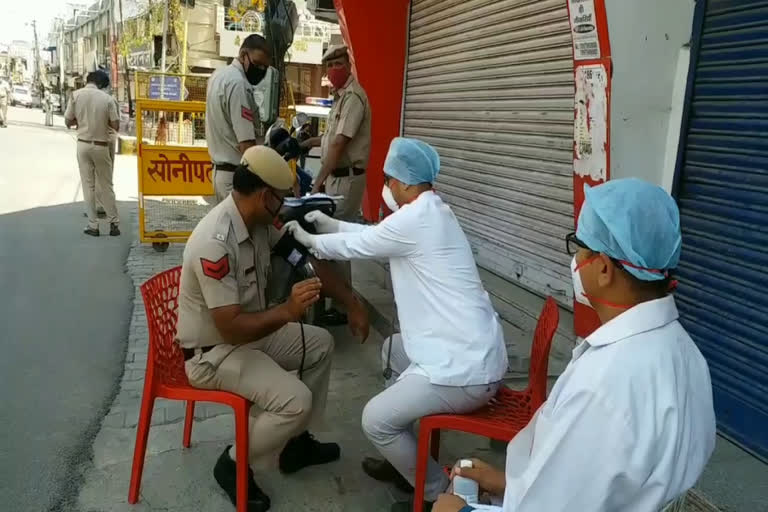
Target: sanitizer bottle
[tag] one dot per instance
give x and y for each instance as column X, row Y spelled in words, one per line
column 465, row 488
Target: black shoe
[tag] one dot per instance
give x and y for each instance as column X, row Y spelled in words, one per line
column 407, row 506
column 305, row 450
column 100, row 213
column 331, row 318
column 383, row 471
column 91, row 231
column 114, row 230
column 225, row 473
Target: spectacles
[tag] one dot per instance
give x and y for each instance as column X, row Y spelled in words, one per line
column 573, row 244
column 386, row 180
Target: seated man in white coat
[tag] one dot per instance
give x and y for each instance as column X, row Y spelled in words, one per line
column 451, row 356
column 629, row 426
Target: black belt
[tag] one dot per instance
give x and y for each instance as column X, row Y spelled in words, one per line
column 189, row 353
column 345, row 172
column 95, row 142
column 225, row 167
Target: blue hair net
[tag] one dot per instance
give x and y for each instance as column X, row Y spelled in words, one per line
column 634, row 221
column 412, row 161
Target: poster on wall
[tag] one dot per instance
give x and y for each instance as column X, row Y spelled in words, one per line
column 586, row 44
column 590, row 137
column 306, row 50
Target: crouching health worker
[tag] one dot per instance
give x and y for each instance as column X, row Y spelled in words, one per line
column 450, row 356
column 629, row 425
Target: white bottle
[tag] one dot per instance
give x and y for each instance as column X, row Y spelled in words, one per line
column 465, row 488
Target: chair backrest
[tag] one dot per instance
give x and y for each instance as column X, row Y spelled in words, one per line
column 165, row 361
column 542, row 342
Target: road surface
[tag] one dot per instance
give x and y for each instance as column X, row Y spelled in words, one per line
column 65, row 312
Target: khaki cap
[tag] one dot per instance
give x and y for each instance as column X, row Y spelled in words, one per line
column 334, row 52
column 268, row 165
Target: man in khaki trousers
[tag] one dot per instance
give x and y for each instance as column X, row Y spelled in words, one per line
column 94, row 112
column 345, row 146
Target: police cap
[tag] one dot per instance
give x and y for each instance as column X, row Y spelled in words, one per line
column 334, row 52
column 268, row 165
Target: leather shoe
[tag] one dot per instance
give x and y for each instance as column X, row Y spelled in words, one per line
column 304, row 450
column 91, row 231
column 332, row 318
column 225, row 473
column 383, row 471
column 114, row 230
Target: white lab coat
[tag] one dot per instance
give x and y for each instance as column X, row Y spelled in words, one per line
column 450, row 330
column 628, row 427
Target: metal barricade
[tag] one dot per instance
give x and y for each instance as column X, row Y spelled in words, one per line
column 175, row 171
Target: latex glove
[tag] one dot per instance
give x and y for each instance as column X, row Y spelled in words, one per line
column 322, row 222
column 300, row 235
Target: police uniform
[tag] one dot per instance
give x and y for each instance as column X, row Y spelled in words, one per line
column 225, row 264
column 230, row 118
column 5, row 97
column 350, row 116
column 93, row 110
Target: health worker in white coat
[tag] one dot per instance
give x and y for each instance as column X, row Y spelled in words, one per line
column 450, row 356
column 629, row 425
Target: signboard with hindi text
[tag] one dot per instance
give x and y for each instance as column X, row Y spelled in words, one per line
column 176, row 171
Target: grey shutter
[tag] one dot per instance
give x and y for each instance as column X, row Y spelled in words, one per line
column 489, row 83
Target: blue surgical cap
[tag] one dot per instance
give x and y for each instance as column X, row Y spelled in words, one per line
column 634, row 221
column 412, row 161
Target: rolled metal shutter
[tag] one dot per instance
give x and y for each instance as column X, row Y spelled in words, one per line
column 723, row 199
column 489, row 83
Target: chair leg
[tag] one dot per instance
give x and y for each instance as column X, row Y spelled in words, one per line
column 188, row 420
column 139, row 451
column 421, row 468
column 435, row 446
column 241, row 452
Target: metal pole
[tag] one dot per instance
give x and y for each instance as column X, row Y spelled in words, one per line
column 183, row 71
column 164, row 49
column 37, row 56
column 125, row 65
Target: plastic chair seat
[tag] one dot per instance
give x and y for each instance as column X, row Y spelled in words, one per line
column 504, row 416
column 165, row 378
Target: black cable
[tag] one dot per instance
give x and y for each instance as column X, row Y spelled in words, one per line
column 303, row 351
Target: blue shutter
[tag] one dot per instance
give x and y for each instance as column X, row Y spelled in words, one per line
column 722, row 190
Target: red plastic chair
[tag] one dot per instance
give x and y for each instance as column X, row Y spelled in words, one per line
column 165, row 378
column 507, row 414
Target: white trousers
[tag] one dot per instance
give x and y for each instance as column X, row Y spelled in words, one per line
column 389, row 417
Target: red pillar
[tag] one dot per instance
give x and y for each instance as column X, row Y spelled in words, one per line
column 376, row 33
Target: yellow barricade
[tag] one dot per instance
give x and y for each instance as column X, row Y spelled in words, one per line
column 175, row 171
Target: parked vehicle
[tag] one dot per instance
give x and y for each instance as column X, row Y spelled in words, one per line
column 21, row 96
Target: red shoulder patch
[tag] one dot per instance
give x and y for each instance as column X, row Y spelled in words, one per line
column 247, row 114
column 216, row 269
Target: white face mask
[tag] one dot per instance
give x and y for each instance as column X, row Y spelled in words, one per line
column 578, row 288
column 389, row 199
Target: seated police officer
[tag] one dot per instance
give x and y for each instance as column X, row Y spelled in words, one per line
column 232, row 341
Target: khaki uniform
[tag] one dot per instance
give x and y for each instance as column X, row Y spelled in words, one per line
column 231, row 117
column 350, row 116
column 5, row 97
column 94, row 110
column 224, row 264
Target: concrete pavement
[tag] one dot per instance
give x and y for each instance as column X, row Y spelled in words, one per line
column 65, row 313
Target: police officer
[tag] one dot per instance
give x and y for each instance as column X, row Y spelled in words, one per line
column 94, row 112
column 48, row 107
column 5, row 97
column 231, row 115
column 345, row 146
column 233, row 341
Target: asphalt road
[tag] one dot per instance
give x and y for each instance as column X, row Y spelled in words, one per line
column 66, row 305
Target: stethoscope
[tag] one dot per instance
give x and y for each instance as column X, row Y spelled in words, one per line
column 388, row 367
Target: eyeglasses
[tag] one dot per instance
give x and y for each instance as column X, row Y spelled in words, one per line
column 573, row 244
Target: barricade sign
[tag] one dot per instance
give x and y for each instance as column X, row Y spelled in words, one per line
column 175, row 171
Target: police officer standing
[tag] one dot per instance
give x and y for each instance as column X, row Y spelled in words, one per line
column 345, row 146
column 94, row 112
column 231, row 115
column 5, row 97
column 233, row 341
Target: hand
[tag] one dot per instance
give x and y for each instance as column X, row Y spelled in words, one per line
column 322, row 222
column 303, row 295
column 448, row 503
column 490, row 479
column 300, row 235
column 357, row 319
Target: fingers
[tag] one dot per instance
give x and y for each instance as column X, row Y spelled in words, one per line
column 292, row 226
column 314, row 216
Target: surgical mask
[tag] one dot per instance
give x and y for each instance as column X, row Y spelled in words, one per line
column 578, row 288
column 254, row 74
column 338, row 77
column 389, row 199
